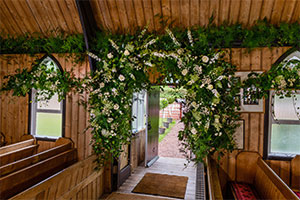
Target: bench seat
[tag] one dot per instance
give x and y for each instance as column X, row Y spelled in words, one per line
column 243, row 191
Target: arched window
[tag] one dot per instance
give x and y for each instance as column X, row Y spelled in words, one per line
column 47, row 118
column 283, row 128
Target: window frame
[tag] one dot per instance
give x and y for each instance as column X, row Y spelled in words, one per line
column 33, row 109
column 140, row 103
column 268, row 119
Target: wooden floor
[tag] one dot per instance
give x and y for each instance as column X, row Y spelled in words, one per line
column 171, row 166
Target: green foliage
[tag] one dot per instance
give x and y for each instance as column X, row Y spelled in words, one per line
column 223, row 36
column 184, row 57
column 163, row 103
column 33, row 44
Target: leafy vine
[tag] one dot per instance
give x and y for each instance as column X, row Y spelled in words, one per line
column 184, row 57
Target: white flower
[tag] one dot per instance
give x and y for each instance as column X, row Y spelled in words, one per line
column 102, row 85
column 110, row 55
column 216, row 93
column 126, row 52
column 132, row 76
column 210, row 87
column 116, row 106
column 194, row 131
column 195, row 105
column 180, row 51
column 216, row 56
column 205, row 59
column 220, row 133
column 216, row 134
column 109, row 120
column 198, row 69
column 173, row 37
column 184, row 72
column 190, row 37
column 104, row 132
column 121, row 77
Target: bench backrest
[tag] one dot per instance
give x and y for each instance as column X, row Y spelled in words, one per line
column 22, row 179
column 19, row 164
column 295, row 169
column 253, row 170
column 16, row 146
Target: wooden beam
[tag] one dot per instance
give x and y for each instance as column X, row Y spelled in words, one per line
column 88, row 24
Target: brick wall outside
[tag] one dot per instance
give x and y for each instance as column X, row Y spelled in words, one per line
column 173, row 110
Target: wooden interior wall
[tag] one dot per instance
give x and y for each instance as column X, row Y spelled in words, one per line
column 137, row 149
column 259, row 59
column 125, row 16
column 14, row 110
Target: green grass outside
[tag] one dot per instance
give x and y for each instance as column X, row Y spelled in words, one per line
column 48, row 124
column 171, row 125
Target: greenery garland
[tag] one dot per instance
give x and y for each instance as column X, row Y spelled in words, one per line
column 212, row 36
column 122, row 69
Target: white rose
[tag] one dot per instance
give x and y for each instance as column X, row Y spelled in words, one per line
column 210, row 87
column 104, row 132
column 116, row 106
column 102, row 85
column 184, row 72
column 205, row 59
column 126, row 52
column 121, row 77
column 109, row 120
column 110, row 55
column 194, row 131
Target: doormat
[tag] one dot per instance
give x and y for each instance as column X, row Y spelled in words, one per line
column 162, row 185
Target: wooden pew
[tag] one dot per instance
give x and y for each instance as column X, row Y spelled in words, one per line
column 25, row 141
column 19, row 164
column 213, row 182
column 69, row 183
column 295, row 171
column 251, row 169
column 36, row 169
column 17, row 151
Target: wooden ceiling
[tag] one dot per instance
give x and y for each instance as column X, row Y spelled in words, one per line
column 21, row 16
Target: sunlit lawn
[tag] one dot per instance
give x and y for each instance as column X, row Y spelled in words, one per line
column 171, row 125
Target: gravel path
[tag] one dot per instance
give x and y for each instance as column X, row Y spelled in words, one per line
column 170, row 145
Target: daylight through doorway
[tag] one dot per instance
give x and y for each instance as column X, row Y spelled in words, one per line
column 171, row 111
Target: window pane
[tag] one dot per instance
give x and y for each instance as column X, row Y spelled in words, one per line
column 284, row 108
column 285, row 138
column 52, row 104
column 48, row 124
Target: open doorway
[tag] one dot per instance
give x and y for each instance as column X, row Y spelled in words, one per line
column 171, row 111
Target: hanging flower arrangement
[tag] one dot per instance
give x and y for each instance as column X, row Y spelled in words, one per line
column 123, row 67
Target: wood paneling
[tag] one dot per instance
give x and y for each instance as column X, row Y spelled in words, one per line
column 125, row 16
column 41, row 16
column 189, row 13
column 14, row 110
column 78, row 181
column 259, row 59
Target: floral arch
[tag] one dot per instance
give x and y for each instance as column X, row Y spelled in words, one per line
column 124, row 67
